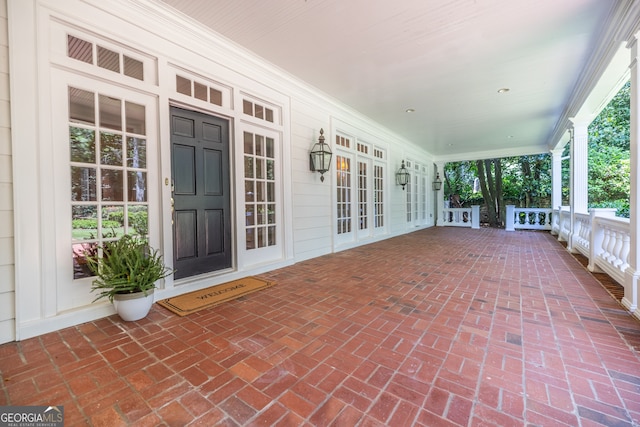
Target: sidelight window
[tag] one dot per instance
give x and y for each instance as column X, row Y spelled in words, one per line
column 108, row 171
column 343, row 194
column 260, row 190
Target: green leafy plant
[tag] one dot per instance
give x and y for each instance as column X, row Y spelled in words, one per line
column 127, row 265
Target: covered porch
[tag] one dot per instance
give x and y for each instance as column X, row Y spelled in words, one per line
column 442, row 326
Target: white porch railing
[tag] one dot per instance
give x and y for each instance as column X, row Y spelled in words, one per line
column 461, row 217
column 561, row 223
column 600, row 236
column 528, row 218
column 610, row 243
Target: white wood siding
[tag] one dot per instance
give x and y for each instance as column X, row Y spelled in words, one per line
column 7, row 277
column 308, row 205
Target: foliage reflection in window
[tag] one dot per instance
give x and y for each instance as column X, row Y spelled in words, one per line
column 108, row 172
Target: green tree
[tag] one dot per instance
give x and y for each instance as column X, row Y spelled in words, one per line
column 535, row 181
column 609, row 167
column 490, row 175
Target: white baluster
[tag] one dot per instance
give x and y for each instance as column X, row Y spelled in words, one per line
column 612, row 244
column 624, row 254
column 621, row 263
column 605, row 243
column 616, row 249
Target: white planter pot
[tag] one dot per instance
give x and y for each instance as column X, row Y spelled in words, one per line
column 133, row 306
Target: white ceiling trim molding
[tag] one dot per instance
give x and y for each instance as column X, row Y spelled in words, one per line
column 490, row 154
column 622, row 24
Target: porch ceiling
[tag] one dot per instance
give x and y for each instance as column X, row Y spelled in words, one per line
column 445, row 59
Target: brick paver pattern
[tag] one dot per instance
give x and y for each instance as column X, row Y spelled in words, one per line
column 440, row 327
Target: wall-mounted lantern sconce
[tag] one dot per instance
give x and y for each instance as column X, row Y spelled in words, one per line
column 437, row 184
column 320, row 156
column 402, row 176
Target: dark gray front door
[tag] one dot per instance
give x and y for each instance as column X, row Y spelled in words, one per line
column 201, row 195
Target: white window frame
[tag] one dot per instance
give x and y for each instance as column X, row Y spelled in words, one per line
column 267, row 253
column 76, row 293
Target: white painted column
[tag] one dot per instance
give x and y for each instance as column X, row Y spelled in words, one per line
column 631, row 282
column 440, row 196
column 556, row 178
column 509, row 223
column 579, row 171
column 475, row 217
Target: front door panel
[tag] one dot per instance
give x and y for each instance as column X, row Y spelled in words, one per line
column 201, row 193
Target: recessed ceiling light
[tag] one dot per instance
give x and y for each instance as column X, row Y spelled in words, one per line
column 503, row 90
column 409, row 110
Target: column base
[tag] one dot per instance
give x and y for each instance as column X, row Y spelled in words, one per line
column 631, row 286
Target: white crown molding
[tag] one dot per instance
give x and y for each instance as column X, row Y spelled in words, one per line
column 620, row 28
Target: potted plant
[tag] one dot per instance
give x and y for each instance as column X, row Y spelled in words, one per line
column 126, row 273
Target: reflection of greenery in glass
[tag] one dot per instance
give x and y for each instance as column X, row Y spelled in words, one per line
column 110, row 149
column 271, row 214
column 113, row 213
column 270, row 172
column 83, row 184
column 83, row 145
column 112, row 221
column 138, row 220
column 136, row 153
column 83, row 217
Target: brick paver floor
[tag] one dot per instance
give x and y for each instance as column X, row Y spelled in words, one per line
column 441, row 327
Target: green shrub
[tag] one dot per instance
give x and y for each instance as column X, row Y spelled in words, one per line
column 92, row 224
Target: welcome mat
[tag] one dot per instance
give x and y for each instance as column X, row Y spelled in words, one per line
column 193, row 301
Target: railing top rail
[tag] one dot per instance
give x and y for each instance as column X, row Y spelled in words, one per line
column 533, row 209
column 617, row 221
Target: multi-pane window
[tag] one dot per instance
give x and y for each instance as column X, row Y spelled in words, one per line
column 260, row 190
column 423, row 195
column 105, row 58
column 416, row 191
column 343, row 141
column 409, row 190
column 363, row 190
column 108, row 170
column 257, row 110
column 378, row 196
column 343, row 193
column 201, row 91
column 360, row 183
